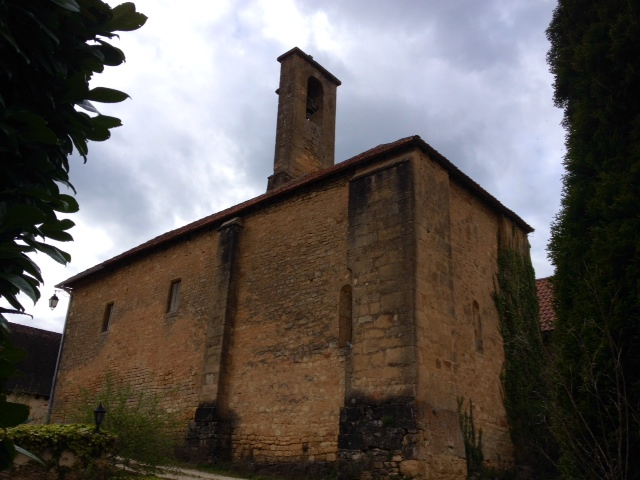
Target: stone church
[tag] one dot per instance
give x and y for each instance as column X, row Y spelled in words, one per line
column 332, row 322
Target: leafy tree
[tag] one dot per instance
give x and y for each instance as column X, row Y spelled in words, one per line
column 49, row 49
column 595, row 244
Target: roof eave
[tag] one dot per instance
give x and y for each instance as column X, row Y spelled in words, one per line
column 375, row 154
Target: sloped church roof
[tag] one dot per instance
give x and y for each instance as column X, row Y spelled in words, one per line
column 369, row 156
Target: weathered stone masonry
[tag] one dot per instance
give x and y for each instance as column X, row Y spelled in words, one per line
column 287, row 366
column 378, row 425
column 210, row 432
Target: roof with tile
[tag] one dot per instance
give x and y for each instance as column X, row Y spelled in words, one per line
column 545, row 299
column 375, row 154
column 39, row 366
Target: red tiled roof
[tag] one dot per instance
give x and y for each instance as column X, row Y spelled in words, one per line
column 377, row 153
column 545, row 299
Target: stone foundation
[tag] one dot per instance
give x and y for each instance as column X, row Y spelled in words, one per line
column 208, row 439
column 378, row 441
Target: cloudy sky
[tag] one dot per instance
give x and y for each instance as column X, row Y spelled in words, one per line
column 468, row 76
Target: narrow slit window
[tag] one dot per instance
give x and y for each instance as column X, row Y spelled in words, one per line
column 174, row 296
column 345, row 323
column 106, row 318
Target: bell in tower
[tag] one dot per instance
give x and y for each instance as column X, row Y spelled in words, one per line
column 305, row 133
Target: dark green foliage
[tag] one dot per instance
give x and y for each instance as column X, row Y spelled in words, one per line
column 146, row 432
column 595, row 244
column 49, row 49
column 526, row 366
column 95, row 454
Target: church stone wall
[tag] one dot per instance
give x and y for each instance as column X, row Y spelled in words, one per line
column 286, row 376
column 479, row 344
column 378, row 424
column 144, row 346
column 460, row 347
column 381, row 257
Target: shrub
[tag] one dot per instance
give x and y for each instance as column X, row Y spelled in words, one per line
column 94, row 454
column 146, row 432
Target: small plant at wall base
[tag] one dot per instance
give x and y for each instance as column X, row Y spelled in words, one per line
column 146, row 432
column 472, row 440
column 474, row 454
column 526, row 366
column 388, row 421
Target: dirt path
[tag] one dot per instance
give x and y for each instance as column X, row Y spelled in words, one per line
column 187, row 474
column 175, row 473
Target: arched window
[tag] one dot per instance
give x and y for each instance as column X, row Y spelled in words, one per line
column 314, row 100
column 345, row 323
column 477, row 327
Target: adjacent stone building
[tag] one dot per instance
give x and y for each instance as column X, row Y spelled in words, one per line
column 333, row 321
column 33, row 386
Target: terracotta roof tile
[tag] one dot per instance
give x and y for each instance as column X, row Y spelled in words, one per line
column 545, row 299
column 376, row 153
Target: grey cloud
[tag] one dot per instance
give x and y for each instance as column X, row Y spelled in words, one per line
column 469, row 77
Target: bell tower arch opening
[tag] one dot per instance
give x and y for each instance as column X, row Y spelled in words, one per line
column 314, row 100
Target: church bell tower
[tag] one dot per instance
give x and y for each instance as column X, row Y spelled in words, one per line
column 306, row 129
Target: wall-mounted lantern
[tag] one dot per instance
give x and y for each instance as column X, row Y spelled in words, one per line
column 98, row 416
column 53, row 301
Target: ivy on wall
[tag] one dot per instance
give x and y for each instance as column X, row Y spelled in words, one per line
column 524, row 379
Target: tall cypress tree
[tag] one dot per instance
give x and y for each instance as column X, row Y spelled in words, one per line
column 595, row 243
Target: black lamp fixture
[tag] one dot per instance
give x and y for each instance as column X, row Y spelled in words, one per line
column 98, row 416
column 53, row 301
